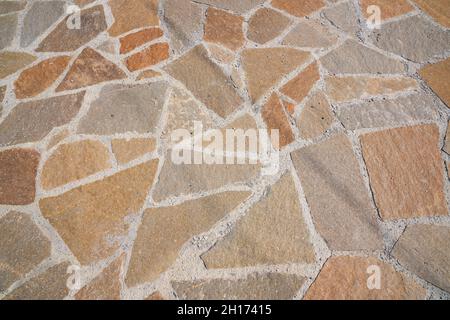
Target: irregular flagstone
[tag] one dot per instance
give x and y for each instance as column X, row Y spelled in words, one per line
column 348, row 88
column 316, row 117
column 38, row 78
column 11, row 6
column 41, row 16
column 91, row 218
column 134, row 40
column 128, row 150
column 344, row 17
column 18, row 168
column 148, row 57
column 123, row 108
column 50, row 285
column 265, row 67
column 421, row 39
column 129, row 15
column 88, row 69
column 152, row 254
column 237, row 6
column 347, row 278
column 265, row 25
column 424, row 250
column 23, row 247
column 74, row 161
column 436, row 76
column 388, row 8
column 8, row 27
column 224, row 28
column 273, row 232
column 298, row 88
column 206, row 81
column 311, row 34
column 342, row 210
column 270, row 286
column 385, row 113
column 276, row 119
column 439, row 10
column 406, row 171
column 106, row 286
column 32, row 121
column 64, row 39
column 352, row 57
column 148, row 74
column 10, row 62
column 299, row 8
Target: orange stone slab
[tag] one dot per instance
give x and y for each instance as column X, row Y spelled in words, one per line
column 439, row 10
column 299, row 8
column 437, row 76
column 299, row 87
column 389, row 8
column 134, row 40
column 224, row 28
column 276, row 119
column 129, row 15
column 148, row 57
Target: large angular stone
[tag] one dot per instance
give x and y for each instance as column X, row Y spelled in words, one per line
column 10, row 62
column 388, row 8
column 64, row 39
column 344, row 17
column 270, row 286
column 315, row 118
column 273, row 232
column 420, row 41
column 424, row 250
column 224, row 28
column 298, row 88
column 439, row 10
column 265, row 67
column 12, row 6
column 406, row 171
column 18, row 168
column 134, row 40
column 129, row 150
column 153, row 252
column 122, row 108
column 310, row 34
column 265, row 25
column 74, row 161
column 436, row 76
column 237, row 6
column 206, row 81
column 353, row 57
column 88, row 69
column 8, row 27
column 299, row 8
column 38, row 78
column 348, row 278
column 129, row 15
column 148, row 57
column 276, row 119
column 341, row 207
column 91, row 218
column 32, row 121
column 23, row 247
column 41, row 16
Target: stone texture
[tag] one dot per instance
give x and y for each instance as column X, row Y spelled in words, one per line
column 134, row 40
column 2, row 93
column 128, row 150
column 346, row 278
column 152, row 254
column 265, row 67
column 447, row 140
column 58, row 137
column 49, row 285
column 406, row 171
column 273, row 232
column 206, row 81
column 18, row 168
column 276, row 119
column 342, row 210
column 310, row 34
column 344, row 17
column 108, row 46
column 74, row 161
column 8, row 27
column 265, row 25
column 352, row 57
column 436, row 76
column 270, row 286
column 148, row 57
column 424, row 250
column 224, row 28
column 385, row 113
column 315, row 118
column 91, row 218
column 121, row 108
column 88, row 69
column 421, row 39
column 11, row 6
column 41, row 16
column 298, row 88
column 148, row 74
column 23, row 247
column 348, row 88
column 156, row 296
column 299, row 8
column 237, row 6
column 32, row 121
column 40, row 77
column 11, row 62
column 439, row 10
column 389, row 9
column 129, row 15
column 64, row 39
column 220, row 54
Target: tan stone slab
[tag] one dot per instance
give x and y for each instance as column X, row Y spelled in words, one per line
column 11, row 62
column 439, row 10
column 58, row 137
column 224, row 28
column 134, row 40
column 148, row 57
column 148, row 74
column 299, row 8
column 437, row 77
column 128, row 150
column 352, row 278
column 164, row 231
column 344, row 17
column 389, row 9
column 11, row 6
column 129, row 15
column 406, row 171
column 265, row 25
column 237, row 6
column 310, row 34
column 315, row 118
column 276, row 119
column 220, row 54
column 91, row 218
column 298, row 88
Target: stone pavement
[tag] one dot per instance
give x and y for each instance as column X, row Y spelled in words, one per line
column 93, row 207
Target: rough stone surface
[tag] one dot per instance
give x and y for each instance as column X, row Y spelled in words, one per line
column 224, row 28
column 310, row 34
column 11, row 6
column 91, row 218
column 148, row 57
column 129, row 15
column 265, row 25
column 237, row 6
column 181, row 222
column 276, row 119
column 8, row 27
column 316, row 117
column 389, row 9
column 299, row 8
column 344, row 17
column 134, row 40
column 406, row 171
column 439, row 10
column 341, row 208
column 148, row 74
column 447, row 139
column 436, row 76
column 129, row 150
column 298, row 88
column 11, row 62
